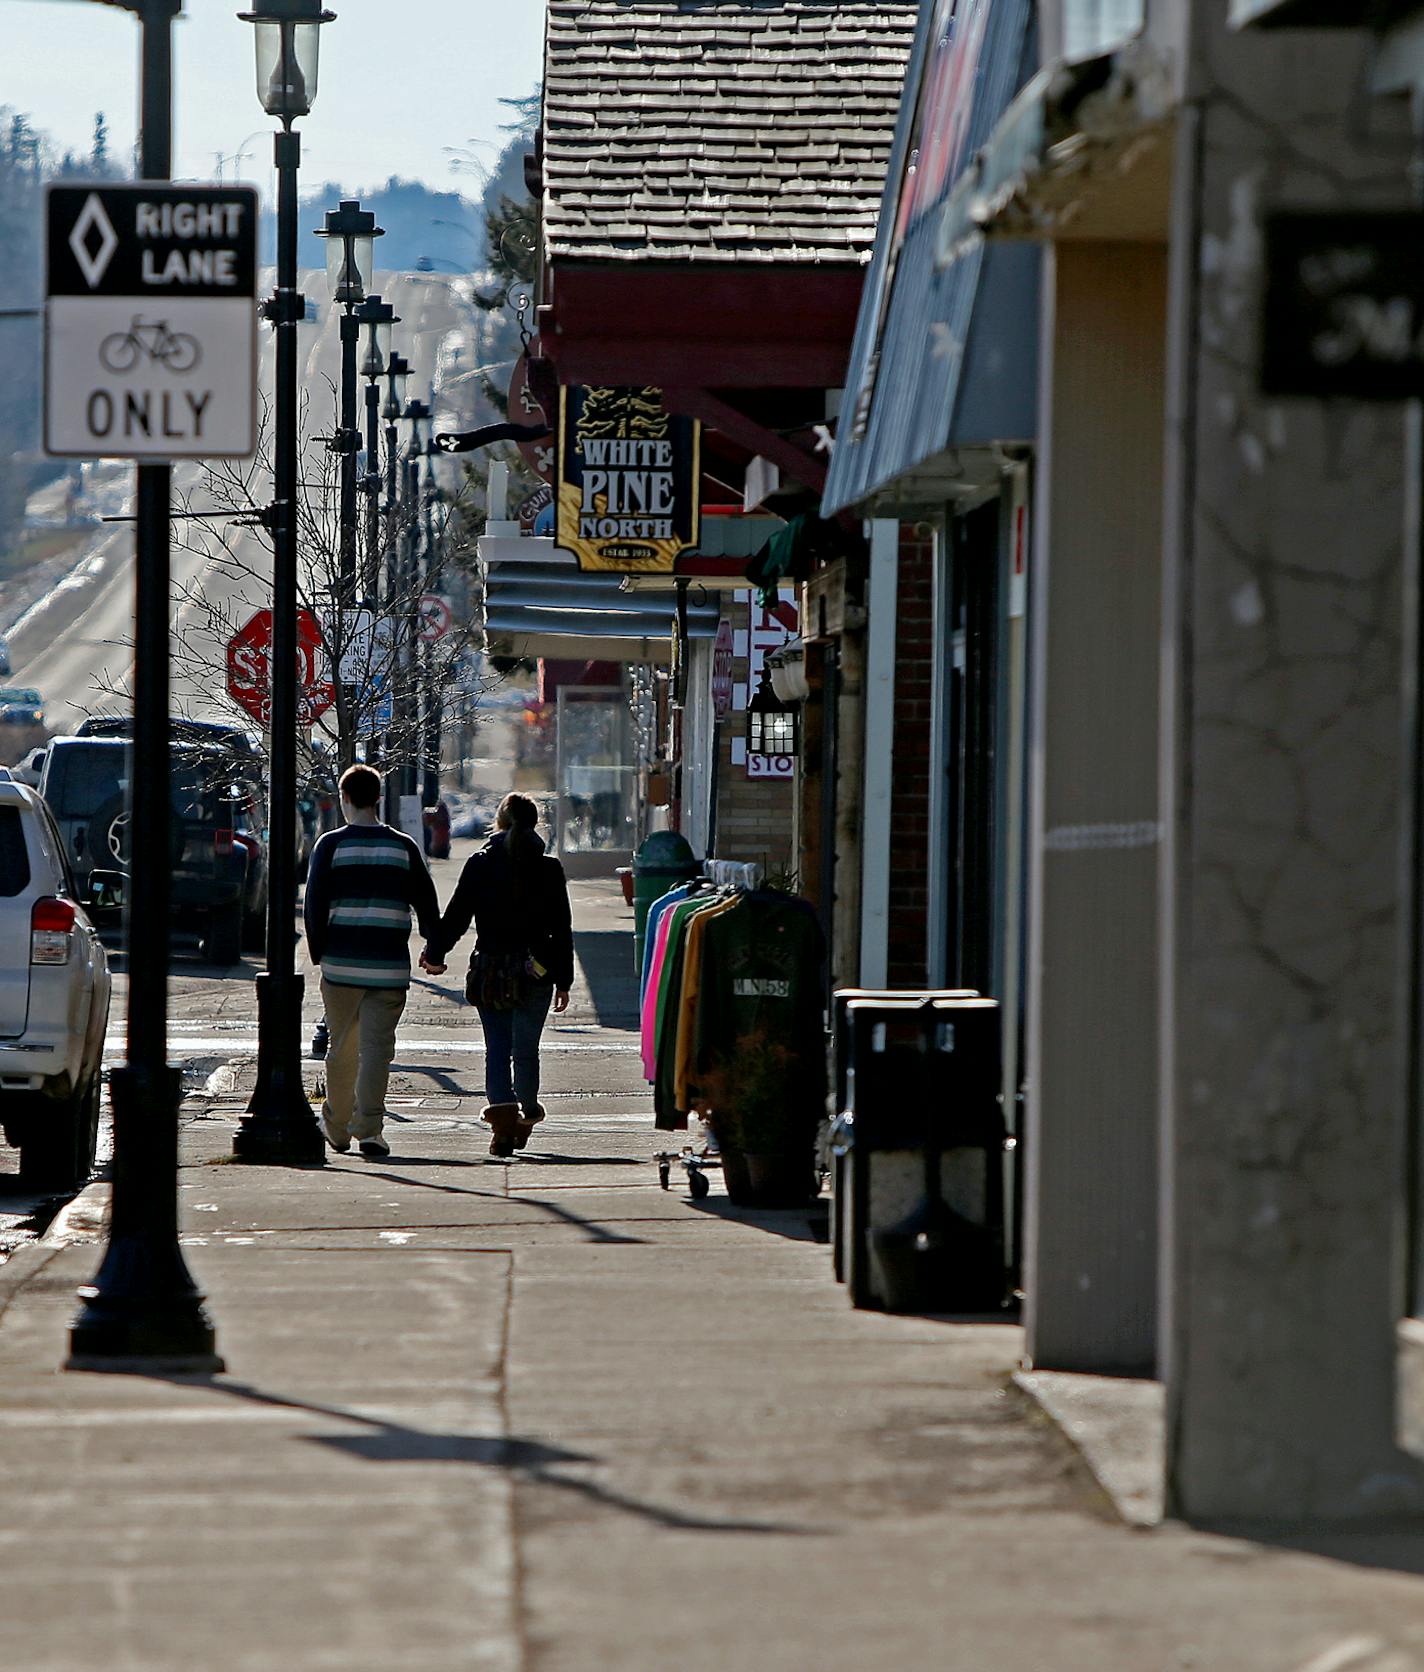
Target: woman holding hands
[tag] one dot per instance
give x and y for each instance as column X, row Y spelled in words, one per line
column 523, row 963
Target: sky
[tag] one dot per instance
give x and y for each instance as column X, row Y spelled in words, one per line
column 399, row 81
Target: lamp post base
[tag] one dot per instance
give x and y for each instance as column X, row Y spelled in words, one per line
column 143, row 1313
column 279, row 1128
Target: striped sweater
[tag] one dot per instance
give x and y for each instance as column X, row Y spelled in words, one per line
column 363, row 884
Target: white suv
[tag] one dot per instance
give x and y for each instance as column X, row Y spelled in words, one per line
column 54, row 1000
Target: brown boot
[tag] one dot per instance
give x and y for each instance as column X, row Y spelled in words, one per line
column 528, row 1120
column 504, row 1122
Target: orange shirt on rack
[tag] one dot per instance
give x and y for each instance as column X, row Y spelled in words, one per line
column 687, row 1004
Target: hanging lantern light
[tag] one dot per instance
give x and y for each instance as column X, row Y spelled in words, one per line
column 288, row 34
column 397, row 375
column 351, row 233
column 771, row 732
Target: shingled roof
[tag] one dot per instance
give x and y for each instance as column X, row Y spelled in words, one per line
column 720, row 130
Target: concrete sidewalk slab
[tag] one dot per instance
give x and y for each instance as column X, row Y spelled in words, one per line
column 546, row 1417
column 343, row 1501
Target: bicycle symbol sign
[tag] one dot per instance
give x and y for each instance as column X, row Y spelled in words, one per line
column 151, row 321
column 123, row 350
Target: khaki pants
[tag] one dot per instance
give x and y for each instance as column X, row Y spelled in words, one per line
column 362, row 1023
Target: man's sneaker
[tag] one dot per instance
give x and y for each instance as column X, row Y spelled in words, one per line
column 339, row 1141
column 321, row 1038
column 374, row 1149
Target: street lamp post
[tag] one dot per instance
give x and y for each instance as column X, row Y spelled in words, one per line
column 143, row 1310
column 392, row 411
column 375, row 318
column 434, row 705
column 279, row 1125
column 397, row 374
column 417, row 414
column 351, row 233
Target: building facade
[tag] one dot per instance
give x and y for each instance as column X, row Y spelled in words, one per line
column 1105, row 652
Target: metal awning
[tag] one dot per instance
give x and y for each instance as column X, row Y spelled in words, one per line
column 537, row 598
column 945, row 353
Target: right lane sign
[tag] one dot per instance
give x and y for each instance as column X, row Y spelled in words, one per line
column 151, row 321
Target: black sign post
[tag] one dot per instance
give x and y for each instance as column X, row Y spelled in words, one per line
column 143, row 1310
column 1344, row 306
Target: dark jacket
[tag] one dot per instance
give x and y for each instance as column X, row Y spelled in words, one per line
column 363, row 883
column 518, row 906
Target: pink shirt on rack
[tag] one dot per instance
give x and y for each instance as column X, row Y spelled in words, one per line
column 649, row 1018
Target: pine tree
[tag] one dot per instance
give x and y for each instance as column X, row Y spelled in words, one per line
column 99, row 151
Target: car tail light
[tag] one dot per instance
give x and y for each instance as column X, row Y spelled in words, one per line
column 222, row 843
column 51, row 928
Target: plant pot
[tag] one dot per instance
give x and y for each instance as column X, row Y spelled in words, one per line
column 780, row 1180
column 736, row 1176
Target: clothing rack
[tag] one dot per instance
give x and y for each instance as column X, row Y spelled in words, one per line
column 732, row 873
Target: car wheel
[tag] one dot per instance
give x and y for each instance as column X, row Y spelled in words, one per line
column 49, row 1149
column 108, row 841
column 224, row 939
column 254, row 931
column 86, row 1130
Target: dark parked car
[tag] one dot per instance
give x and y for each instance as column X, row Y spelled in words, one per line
column 216, row 734
column 218, row 846
column 22, row 722
column 317, row 809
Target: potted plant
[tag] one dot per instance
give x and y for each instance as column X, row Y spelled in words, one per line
column 766, row 1143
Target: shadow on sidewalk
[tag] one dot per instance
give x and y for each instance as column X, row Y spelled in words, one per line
column 1390, row 1546
column 606, row 958
column 440, row 987
column 808, row 1224
column 551, row 1157
column 393, row 1442
column 566, row 1216
column 441, row 1076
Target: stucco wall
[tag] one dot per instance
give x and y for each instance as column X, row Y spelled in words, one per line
column 1284, row 787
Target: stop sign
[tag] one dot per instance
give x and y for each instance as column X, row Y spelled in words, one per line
column 249, row 669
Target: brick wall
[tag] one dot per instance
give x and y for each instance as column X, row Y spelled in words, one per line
column 914, row 666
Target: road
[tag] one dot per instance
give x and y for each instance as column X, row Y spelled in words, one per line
column 74, row 642
column 73, row 645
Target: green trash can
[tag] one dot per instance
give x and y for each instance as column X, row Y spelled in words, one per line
column 664, row 860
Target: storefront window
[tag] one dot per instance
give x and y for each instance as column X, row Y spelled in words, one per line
column 1091, row 27
column 596, row 770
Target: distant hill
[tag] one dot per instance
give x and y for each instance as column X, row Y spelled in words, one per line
column 408, row 210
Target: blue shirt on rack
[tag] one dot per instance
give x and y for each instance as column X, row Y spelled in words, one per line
column 650, row 933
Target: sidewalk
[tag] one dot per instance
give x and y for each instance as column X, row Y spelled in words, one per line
column 542, row 1416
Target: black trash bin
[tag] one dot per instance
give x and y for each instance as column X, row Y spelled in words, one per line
column 922, row 1222
column 833, row 1152
column 664, row 860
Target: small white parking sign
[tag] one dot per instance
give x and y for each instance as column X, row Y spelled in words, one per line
column 151, row 321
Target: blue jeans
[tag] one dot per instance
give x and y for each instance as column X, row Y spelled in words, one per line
column 512, row 1049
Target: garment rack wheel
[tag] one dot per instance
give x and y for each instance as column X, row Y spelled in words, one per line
column 664, row 1170
column 698, row 1183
